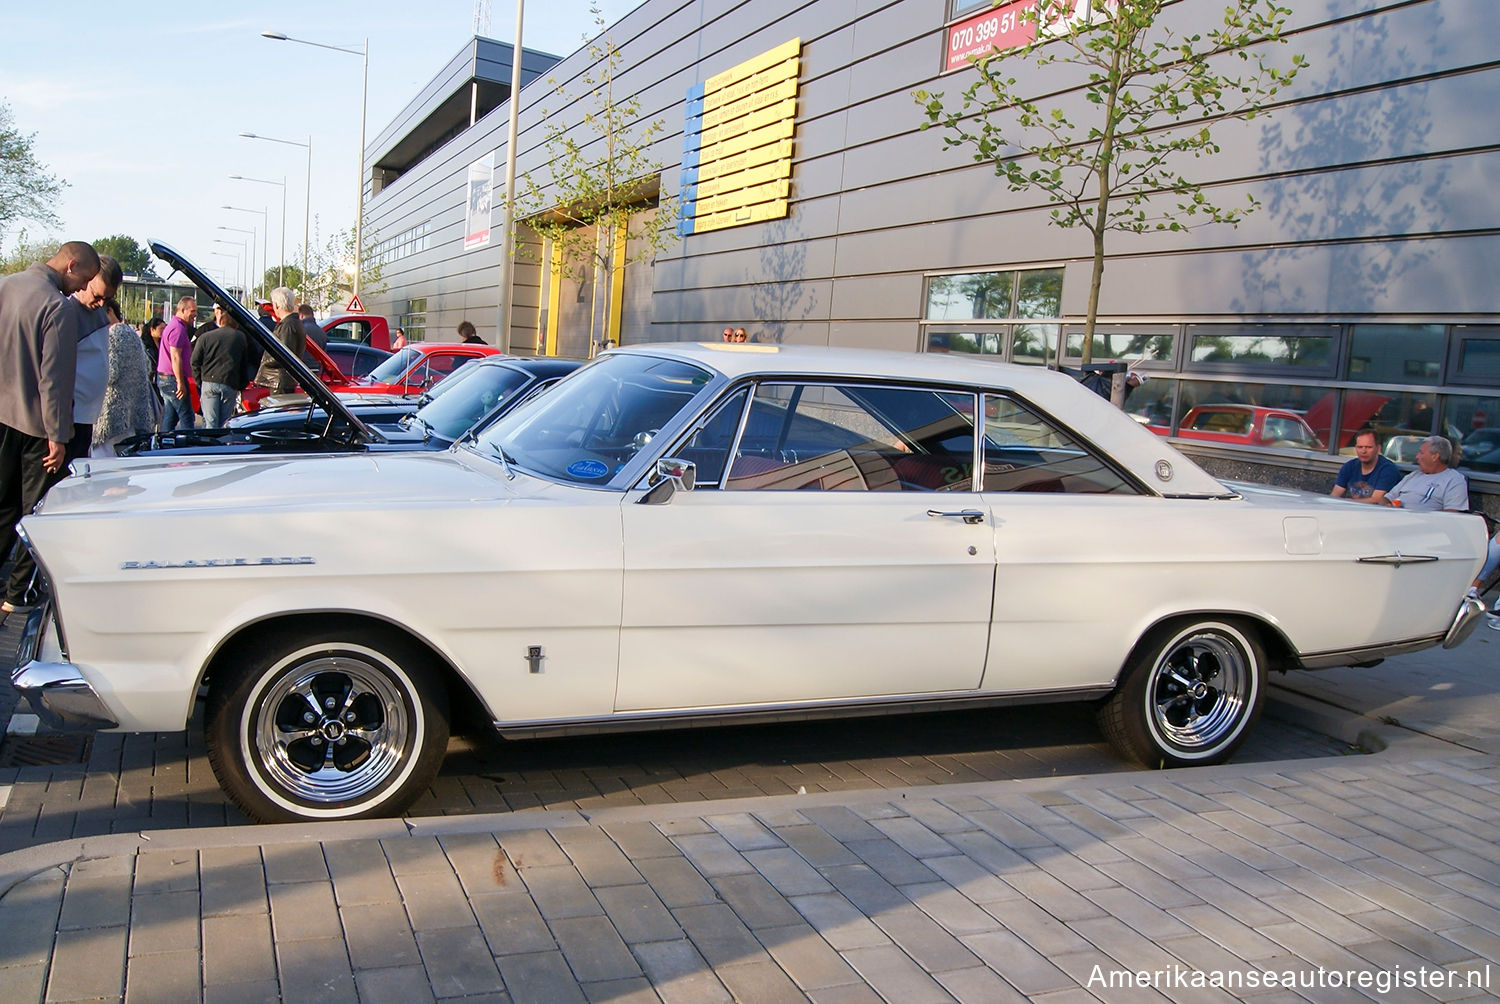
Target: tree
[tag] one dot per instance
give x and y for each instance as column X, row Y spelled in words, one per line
column 289, row 276
column 330, row 280
column 27, row 251
column 27, row 190
column 1150, row 99
column 133, row 259
column 591, row 208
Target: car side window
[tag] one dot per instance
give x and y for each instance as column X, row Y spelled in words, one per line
column 850, row 437
column 708, row 448
column 1024, row 452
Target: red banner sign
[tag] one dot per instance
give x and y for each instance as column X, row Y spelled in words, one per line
column 1012, row 25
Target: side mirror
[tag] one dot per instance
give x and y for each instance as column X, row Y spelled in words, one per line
column 669, row 475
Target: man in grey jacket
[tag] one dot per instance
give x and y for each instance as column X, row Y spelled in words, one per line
column 39, row 335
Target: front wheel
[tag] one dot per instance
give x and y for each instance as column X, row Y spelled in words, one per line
column 318, row 726
column 1188, row 696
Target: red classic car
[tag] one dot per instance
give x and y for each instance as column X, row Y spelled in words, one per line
column 417, row 367
column 1252, row 425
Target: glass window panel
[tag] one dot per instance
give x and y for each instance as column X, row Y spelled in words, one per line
column 974, row 296
column 1025, row 453
column 1478, row 351
column 987, row 343
column 1248, row 414
column 1040, row 293
column 1131, row 342
column 1308, row 347
column 709, row 446
column 1396, row 353
column 1473, row 425
column 828, row 438
column 1150, row 403
column 1034, row 343
column 964, row 6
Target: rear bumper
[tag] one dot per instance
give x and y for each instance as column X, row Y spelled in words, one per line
column 58, row 693
column 1465, row 619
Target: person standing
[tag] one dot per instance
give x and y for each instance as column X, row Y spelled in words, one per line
column 289, row 332
column 130, row 406
column 467, row 333
column 399, row 342
column 219, row 368
column 39, row 333
column 93, row 353
column 173, row 367
column 1433, row 486
column 1368, row 476
column 315, row 335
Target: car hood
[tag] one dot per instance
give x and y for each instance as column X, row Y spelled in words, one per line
column 266, row 341
column 342, row 482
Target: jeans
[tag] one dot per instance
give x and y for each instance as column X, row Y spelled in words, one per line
column 218, row 403
column 175, row 414
column 23, row 481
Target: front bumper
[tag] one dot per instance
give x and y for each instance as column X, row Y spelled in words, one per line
column 56, row 691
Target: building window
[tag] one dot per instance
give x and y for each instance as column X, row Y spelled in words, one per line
column 414, row 320
column 987, row 301
column 1306, row 347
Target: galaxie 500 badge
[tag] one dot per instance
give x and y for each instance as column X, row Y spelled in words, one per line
column 306, row 559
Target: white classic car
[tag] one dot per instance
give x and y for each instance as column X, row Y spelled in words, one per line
column 679, row 534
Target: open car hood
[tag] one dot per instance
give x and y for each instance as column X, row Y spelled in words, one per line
column 267, row 342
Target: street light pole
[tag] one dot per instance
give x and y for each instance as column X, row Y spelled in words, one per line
column 508, row 248
column 265, row 245
column 281, row 266
column 363, row 52
column 251, row 268
column 307, row 195
column 225, row 254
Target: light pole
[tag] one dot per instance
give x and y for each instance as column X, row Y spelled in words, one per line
column 363, row 52
column 508, row 249
column 265, row 245
column 226, row 254
column 244, row 271
column 251, row 268
column 307, row 200
column 281, row 267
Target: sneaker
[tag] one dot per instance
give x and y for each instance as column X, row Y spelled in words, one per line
column 1473, row 593
column 1492, row 622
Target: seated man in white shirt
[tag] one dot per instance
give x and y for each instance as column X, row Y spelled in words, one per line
column 1433, row 486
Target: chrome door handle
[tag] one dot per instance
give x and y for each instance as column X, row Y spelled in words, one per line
column 967, row 515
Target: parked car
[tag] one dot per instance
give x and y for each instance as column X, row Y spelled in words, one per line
column 417, row 367
column 361, row 329
column 1249, row 424
column 354, row 359
column 685, row 534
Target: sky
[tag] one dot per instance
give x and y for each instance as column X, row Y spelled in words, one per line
column 139, row 109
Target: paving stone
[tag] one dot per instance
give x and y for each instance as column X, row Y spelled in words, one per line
column 719, row 935
column 743, row 831
column 434, row 899
column 294, row 863
column 314, row 971
column 165, row 872
column 560, row 892
column 512, row 924
column 237, row 949
column 28, row 917
column 636, row 991
column 1023, row 966
column 974, row 883
column 231, row 881
column 711, row 854
column 678, row 973
column 478, row 861
column 164, row 922
column 594, row 950
column 378, row 935
column 597, row 858
column 1145, row 918
column 458, row 962
column 841, row 824
column 838, row 921
column 893, row 975
column 395, row 985
column 806, row 958
column 815, row 845
column 21, row 983
column 361, row 873
column 415, row 856
column 97, row 894
column 1435, row 949
column 758, row 981
column 638, row 914
column 164, row 978
column 1051, row 895
column 979, row 985
column 87, row 964
column 893, row 863
column 640, row 840
column 1227, row 931
column 1080, row 844
column 678, row 883
column 929, row 945
column 303, row 911
column 848, row 993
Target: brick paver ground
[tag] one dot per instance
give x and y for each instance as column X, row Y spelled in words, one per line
column 1324, row 874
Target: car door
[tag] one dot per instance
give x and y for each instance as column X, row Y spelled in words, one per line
column 834, row 550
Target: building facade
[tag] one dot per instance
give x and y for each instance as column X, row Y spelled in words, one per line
column 1360, row 295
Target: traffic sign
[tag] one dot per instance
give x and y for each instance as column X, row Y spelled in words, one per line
column 355, row 307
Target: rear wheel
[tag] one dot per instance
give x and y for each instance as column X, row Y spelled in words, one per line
column 320, row 726
column 1189, row 695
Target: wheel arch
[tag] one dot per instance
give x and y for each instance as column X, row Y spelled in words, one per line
column 1281, row 656
column 304, row 621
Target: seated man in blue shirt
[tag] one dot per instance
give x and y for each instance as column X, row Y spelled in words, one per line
column 1368, row 476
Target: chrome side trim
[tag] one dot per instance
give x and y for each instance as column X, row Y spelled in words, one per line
column 1398, row 559
column 644, row 721
column 1370, row 653
column 61, row 697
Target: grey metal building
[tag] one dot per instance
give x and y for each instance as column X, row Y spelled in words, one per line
column 1361, row 295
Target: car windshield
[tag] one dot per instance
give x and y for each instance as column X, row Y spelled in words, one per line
column 592, row 424
column 477, row 395
column 390, row 371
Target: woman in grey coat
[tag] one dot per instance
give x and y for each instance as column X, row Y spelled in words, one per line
column 129, row 408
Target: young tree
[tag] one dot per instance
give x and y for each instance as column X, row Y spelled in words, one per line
column 27, row 251
column 601, row 178
column 330, row 279
column 1150, row 97
column 27, row 190
column 133, row 259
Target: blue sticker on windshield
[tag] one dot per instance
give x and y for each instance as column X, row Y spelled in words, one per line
column 588, row 469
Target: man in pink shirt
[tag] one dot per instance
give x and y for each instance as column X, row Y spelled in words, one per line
column 173, row 364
